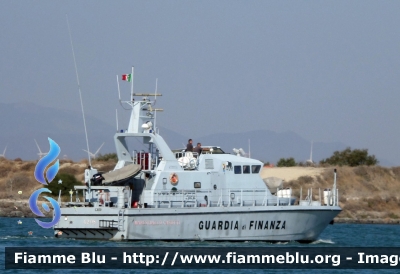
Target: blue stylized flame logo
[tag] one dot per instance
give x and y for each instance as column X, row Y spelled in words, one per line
column 45, row 161
column 39, row 176
column 33, row 205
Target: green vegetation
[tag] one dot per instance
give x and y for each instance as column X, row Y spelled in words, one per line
column 286, row 162
column 68, row 183
column 348, row 157
column 107, row 157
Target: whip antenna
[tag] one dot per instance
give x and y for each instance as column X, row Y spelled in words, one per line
column 116, row 115
column 119, row 93
column 155, row 111
column 155, row 93
column 80, row 93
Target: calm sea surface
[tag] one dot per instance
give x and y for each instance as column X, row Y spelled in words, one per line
column 339, row 235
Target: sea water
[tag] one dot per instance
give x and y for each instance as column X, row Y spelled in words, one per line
column 25, row 232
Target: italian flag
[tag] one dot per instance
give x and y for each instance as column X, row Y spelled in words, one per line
column 127, row 77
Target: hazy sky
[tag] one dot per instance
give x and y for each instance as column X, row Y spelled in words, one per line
column 327, row 70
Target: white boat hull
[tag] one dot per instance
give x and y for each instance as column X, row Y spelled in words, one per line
column 269, row 223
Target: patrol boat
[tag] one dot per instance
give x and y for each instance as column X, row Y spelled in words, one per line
column 157, row 194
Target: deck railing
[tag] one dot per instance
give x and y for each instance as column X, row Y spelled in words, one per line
column 232, row 197
column 237, row 198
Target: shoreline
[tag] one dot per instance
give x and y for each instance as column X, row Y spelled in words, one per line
column 367, row 221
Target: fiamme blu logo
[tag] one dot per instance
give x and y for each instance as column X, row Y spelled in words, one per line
column 45, row 177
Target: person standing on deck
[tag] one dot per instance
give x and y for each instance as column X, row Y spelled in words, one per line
column 198, row 149
column 189, row 146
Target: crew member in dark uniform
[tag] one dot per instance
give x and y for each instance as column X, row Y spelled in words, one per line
column 198, row 149
column 189, row 146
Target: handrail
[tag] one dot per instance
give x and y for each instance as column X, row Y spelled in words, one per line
column 230, row 197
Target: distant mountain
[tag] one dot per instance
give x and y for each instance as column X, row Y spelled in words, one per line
column 21, row 123
column 173, row 139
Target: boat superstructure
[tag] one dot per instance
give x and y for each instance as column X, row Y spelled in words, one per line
column 155, row 193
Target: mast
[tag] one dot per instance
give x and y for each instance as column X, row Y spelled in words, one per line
column 249, row 149
column 132, row 84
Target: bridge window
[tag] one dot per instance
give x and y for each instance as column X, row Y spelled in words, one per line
column 255, row 169
column 246, row 169
column 238, row 169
